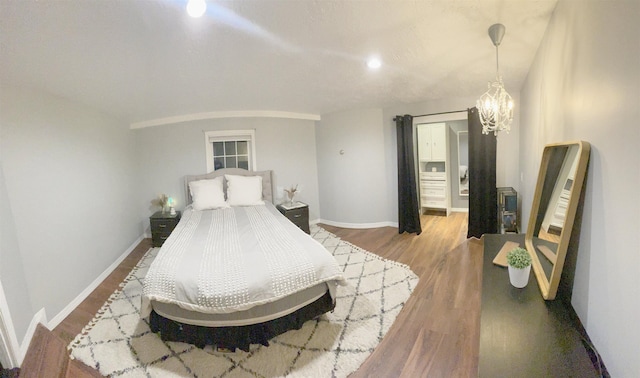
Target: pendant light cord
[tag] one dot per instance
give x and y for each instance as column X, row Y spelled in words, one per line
column 497, row 64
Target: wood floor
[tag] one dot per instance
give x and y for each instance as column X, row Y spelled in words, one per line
column 437, row 332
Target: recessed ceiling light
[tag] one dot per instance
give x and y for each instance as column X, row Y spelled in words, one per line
column 374, row 63
column 196, row 8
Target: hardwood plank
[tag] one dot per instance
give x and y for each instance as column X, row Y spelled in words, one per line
column 46, row 357
column 427, row 343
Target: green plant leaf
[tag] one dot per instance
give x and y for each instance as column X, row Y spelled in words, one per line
column 519, row 258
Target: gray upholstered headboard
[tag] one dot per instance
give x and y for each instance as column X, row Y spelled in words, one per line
column 267, row 181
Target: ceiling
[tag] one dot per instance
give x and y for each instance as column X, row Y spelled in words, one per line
column 144, row 60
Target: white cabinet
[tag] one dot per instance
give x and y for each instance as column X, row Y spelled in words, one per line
column 433, row 165
column 433, row 191
column 432, row 142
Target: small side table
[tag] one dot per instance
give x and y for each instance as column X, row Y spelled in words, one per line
column 298, row 213
column 162, row 224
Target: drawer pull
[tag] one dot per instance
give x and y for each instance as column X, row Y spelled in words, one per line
column 162, row 225
column 297, row 215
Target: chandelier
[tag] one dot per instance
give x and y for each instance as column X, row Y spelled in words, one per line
column 495, row 106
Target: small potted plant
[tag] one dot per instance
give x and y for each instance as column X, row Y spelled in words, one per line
column 519, row 262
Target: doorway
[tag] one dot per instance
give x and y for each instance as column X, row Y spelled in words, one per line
column 453, row 194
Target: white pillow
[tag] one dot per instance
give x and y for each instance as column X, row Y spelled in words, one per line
column 244, row 190
column 207, row 194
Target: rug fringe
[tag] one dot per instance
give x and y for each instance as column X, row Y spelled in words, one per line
column 371, row 254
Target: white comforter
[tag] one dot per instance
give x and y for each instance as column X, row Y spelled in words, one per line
column 227, row 260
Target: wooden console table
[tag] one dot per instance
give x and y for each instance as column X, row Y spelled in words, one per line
column 521, row 334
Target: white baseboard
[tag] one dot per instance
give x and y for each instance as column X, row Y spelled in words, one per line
column 460, row 209
column 85, row 293
column 17, row 351
column 39, row 317
column 356, row 225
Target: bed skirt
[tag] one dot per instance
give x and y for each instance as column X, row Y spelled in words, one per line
column 242, row 336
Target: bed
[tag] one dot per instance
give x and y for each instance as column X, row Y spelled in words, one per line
column 234, row 271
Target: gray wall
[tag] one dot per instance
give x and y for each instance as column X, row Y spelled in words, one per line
column 353, row 185
column 69, row 188
column 584, row 84
column 166, row 154
column 12, row 275
column 345, row 184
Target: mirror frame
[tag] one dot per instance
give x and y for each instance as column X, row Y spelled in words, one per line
column 549, row 286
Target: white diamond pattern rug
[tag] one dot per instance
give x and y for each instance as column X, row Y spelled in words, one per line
column 120, row 344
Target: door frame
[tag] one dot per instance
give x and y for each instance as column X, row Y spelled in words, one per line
column 8, row 340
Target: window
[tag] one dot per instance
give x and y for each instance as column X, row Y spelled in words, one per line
column 230, row 149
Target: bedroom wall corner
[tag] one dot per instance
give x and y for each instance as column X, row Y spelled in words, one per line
column 16, row 294
column 68, row 181
column 12, row 275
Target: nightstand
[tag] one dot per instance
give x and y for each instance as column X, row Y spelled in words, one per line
column 161, row 226
column 298, row 213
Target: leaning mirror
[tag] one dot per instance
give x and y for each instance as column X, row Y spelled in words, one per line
column 553, row 211
column 463, row 162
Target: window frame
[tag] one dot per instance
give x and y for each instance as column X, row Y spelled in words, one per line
column 230, row 136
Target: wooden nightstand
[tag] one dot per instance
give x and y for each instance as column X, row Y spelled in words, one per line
column 298, row 213
column 161, row 226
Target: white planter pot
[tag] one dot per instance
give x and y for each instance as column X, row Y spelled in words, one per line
column 519, row 277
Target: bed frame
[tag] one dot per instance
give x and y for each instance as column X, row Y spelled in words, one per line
column 238, row 337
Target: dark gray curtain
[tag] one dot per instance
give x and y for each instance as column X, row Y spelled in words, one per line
column 408, row 207
column 483, row 196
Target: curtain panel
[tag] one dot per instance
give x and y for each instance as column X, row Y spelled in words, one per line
column 408, row 206
column 483, row 195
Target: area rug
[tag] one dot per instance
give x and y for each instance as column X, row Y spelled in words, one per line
column 118, row 343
